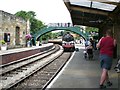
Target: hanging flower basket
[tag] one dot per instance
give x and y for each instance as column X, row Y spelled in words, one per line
column 28, row 37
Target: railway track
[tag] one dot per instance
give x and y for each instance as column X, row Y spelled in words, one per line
column 21, row 70
column 17, row 64
column 42, row 78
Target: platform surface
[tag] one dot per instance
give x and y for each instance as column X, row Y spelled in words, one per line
column 23, row 49
column 82, row 73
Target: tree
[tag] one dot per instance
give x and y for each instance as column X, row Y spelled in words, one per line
column 91, row 29
column 35, row 23
column 46, row 36
column 31, row 14
column 54, row 35
column 22, row 14
column 26, row 15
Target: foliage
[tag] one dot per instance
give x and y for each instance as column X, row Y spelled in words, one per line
column 91, row 29
column 35, row 23
column 54, row 35
column 25, row 15
column 46, row 36
column 2, row 42
column 49, row 35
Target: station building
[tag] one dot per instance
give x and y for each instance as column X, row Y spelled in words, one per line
column 13, row 29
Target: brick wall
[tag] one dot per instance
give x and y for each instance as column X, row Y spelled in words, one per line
column 7, row 58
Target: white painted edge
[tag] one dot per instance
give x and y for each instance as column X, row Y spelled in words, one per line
column 53, row 81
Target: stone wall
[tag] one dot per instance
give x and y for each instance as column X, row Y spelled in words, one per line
column 0, row 25
column 8, row 24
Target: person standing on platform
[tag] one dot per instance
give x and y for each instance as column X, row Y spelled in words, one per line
column 106, row 45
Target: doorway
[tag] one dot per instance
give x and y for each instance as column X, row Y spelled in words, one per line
column 17, row 35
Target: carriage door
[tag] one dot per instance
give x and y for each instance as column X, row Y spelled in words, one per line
column 17, row 36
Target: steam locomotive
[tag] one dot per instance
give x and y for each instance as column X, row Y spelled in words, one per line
column 68, row 42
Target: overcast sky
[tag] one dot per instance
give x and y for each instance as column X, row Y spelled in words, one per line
column 48, row 11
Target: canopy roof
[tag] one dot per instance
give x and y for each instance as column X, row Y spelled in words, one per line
column 93, row 12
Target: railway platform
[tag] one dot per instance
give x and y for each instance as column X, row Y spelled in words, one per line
column 12, row 55
column 82, row 74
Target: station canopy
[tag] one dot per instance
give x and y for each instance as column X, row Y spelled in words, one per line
column 93, row 12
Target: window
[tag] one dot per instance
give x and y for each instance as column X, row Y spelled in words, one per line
column 94, row 4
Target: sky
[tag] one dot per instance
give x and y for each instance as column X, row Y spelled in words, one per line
column 48, row 11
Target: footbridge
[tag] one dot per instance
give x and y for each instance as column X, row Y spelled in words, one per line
column 74, row 29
